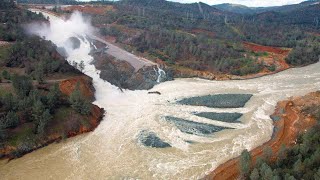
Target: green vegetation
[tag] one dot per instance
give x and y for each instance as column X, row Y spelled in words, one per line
column 4, row 53
column 22, row 85
column 38, row 57
column 11, row 21
column 306, row 52
column 241, row 9
column 244, row 66
column 28, row 101
column 301, row 161
column 176, row 45
column 6, row 75
column 211, row 40
column 78, row 102
column 7, row 4
column 245, row 161
column 31, row 114
column 272, row 67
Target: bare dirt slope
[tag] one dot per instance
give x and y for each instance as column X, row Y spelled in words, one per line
column 292, row 122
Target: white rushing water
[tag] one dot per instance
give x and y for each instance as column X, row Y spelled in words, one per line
column 113, row 152
column 160, row 72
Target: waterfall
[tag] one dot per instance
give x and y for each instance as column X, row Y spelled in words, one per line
column 112, row 150
column 93, row 45
column 160, row 72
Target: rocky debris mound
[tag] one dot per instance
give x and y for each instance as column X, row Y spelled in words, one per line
column 150, row 139
column 194, row 128
column 123, row 74
column 218, row 100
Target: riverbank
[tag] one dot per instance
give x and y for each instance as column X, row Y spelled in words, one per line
column 273, row 62
column 63, row 124
column 289, row 122
column 272, row 58
column 35, row 105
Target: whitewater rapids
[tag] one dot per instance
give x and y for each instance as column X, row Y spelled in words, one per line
column 112, row 151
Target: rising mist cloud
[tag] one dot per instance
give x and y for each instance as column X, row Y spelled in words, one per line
column 60, row 31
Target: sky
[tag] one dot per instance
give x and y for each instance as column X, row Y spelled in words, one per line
column 250, row 3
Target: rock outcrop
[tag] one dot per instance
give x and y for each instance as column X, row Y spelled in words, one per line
column 123, row 74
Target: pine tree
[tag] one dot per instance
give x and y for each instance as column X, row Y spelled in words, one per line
column 39, row 73
column 266, row 172
column 78, row 102
column 22, row 85
column 75, row 64
column 267, row 153
column 6, row 75
column 75, row 98
column 9, row 102
column 255, row 174
column 81, row 66
column 37, row 111
column 44, row 119
column 298, row 167
column 282, row 152
column 11, row 120
column 53, row 96
column 86, row 107
column 317, row 175
column 245, row 163
column 3, row 133
column 289, row 177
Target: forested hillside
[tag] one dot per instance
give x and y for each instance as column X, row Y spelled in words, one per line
column 50, row 1
column 236, row 8
column 300, row 161
column 241, row 9
column 200, row 37
column 33, row 109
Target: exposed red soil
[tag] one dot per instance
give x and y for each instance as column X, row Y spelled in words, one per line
column 276, row 56
column 111, row 39
column 68, row 86
column 86, row 88
column 95, row 117
column 89, row 9
column 292, row 123
column 183, row 72
column 260, row 48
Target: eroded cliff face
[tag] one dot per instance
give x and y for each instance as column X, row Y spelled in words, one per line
column 87, row 89
column 123, row 74
column 61, row 127
column 291, row 118
column 85, row 85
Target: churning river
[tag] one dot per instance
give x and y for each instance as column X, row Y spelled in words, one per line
column 113, row 151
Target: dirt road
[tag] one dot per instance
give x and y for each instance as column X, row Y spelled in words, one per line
column 4, row 43
column 113, row 50
column 121, row 54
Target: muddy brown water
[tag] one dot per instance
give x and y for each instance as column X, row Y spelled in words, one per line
column 112, row 151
